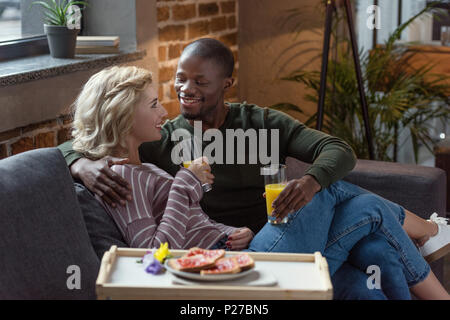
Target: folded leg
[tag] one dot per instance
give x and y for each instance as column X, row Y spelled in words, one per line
column 382, row 265
column 350, row 283
column 369, row 214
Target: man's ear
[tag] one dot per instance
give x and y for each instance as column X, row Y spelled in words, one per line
column 228, row 83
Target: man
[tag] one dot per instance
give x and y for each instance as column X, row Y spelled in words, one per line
column 203, row 76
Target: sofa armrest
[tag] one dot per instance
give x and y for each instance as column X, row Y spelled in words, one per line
column 43, row 237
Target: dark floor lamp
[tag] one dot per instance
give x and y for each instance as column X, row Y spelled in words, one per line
column 331, row 5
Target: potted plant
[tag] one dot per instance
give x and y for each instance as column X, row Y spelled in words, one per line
column 61, row 26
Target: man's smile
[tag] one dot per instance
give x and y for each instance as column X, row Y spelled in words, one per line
column 190, row 101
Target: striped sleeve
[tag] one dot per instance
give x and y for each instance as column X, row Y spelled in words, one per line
column 138, row 219
column 183, row 191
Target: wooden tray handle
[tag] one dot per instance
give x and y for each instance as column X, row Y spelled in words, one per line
column 106, row 264
column 322, row 265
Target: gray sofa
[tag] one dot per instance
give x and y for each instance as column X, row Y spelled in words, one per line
column 49, row 224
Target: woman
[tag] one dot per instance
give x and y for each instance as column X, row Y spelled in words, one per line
column 118, row 110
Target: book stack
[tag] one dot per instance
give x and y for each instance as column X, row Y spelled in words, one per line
column 97, row 44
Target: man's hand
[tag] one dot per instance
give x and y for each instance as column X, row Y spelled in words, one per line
column 240, row 239
column 294, row 196
column 98, row 177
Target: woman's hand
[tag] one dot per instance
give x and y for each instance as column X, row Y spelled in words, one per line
column 202, row 170
column 295, row 195
column 240, row 239
column 98, row 177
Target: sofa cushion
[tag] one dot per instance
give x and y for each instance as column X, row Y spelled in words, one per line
column 45, row 248
column 102, row 229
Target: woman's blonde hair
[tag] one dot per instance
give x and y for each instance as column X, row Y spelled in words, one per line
column 104, row 110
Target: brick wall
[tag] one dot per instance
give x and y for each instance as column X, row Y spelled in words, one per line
column 38, row 135
column 179, row 22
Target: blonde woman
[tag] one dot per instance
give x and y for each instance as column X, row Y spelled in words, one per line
column 118, row 110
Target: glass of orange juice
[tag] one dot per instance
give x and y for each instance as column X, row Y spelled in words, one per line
column 275, row 181
column 206, row 186
column 186, row 164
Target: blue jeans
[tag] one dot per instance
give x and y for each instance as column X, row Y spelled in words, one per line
column 372, row 251
column 350, row 283
column 335, row 220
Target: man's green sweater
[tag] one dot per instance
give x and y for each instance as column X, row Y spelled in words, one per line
column 236, row 198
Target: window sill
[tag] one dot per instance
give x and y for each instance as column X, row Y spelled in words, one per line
column 44, row 66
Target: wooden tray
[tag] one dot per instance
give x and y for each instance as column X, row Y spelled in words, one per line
column 299, row 276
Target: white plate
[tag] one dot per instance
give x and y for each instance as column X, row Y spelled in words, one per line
column 207, row 277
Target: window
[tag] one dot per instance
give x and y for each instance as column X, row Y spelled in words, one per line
column 21, row 30
column 424, row 30
column 392, row 13
column 18, row 20
column 10, row 24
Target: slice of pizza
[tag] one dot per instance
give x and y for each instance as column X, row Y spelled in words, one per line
column 223, row 266
column 213, row 254
column 245, row 261
column 193, row 263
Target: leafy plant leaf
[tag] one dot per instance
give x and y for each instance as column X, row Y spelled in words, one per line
column 56, row 11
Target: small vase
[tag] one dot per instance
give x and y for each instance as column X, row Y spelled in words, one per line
column 61, row 41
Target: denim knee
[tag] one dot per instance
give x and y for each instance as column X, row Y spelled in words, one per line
column 362, row 210
column 376, row 253
column 344, row 190
column 350, row 283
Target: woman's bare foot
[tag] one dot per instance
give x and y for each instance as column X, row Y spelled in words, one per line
column 431, row 231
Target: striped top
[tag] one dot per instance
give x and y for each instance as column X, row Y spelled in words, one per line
column 164, row 209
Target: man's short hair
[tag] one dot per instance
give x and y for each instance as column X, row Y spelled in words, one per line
column 212, row 49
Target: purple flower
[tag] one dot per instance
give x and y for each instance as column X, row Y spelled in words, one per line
column 154, row 267
column 151, row 264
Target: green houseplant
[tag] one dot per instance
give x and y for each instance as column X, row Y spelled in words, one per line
column 400, row 97
column 61, row 25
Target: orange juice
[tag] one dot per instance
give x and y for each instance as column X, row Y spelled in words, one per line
column 186, row 164
column 272, row 192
